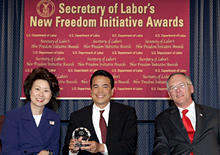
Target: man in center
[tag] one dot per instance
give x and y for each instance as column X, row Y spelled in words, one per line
column 121, row 121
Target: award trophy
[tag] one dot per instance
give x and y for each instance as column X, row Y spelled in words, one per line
column 81, row 132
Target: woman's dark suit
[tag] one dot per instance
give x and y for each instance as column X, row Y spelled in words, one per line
column 21, row 136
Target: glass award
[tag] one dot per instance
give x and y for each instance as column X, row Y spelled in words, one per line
column 81, row 132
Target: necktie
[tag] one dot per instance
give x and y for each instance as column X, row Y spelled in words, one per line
column 103, row 127
column 188, row 125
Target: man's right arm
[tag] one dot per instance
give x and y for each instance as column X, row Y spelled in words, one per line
column 70, row 129
column 160, row 142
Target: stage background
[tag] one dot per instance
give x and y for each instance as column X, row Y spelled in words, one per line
column 131, row 53
column 204, row 67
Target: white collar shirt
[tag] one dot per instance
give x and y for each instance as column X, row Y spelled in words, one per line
column 191, row 114
column 96, row 118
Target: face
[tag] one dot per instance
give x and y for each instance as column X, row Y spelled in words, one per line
column 101, row 91
column 40, row 93
column 182, row 98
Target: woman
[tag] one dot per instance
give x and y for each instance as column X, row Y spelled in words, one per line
column 34, row 129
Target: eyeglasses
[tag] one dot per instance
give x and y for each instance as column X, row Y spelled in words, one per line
column 182, row 86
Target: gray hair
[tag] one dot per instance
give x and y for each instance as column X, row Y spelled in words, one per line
column 186, row 76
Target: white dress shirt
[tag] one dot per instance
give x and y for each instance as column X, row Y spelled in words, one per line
column 191, row 114
column 96, row 117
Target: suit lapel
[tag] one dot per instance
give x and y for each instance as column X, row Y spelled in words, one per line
column 177, row 122
column 88, row 122
column 45, row 123
column 29, row 123
column 114, row 117
column 199, row 121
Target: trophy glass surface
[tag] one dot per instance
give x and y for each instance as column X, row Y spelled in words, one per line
column 81, row 132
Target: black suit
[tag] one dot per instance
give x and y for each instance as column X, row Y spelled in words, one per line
column 171, row 136
column 121, row 131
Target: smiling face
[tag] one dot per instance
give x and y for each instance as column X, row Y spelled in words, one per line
column 40, row 94
column 101, row 91
column 181, row 97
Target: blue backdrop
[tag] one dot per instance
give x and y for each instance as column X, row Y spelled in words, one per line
column 204, row 67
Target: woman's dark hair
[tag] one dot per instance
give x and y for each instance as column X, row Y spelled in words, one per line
column 102, row 73
column 43, row 74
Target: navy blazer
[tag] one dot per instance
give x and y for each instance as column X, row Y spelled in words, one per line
column 121, row 130
column 21, row 136
column 171, row 137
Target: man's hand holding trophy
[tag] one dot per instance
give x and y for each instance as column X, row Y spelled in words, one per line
column 79, row 135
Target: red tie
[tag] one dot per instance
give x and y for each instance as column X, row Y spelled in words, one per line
column 188, row 125
column 103, row 127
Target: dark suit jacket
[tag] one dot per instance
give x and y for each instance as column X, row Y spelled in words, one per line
column 21, row 136
column 171, row 136
column 121, row 131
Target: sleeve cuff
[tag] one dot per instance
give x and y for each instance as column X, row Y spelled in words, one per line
column 70, row 153
column 106, row 150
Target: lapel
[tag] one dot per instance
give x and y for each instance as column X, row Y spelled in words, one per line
column 199, row 121
column 88, row 122
column 45, row 123
column 29, row 123
column 177, row 122
column 114, row 118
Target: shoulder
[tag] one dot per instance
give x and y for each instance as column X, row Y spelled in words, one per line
column 16, row 115
column 167, row 112
column 123, row 109
column 121, row 106
column 84, row 111
column 52, row 113
column 207, row 109
column 15, row 112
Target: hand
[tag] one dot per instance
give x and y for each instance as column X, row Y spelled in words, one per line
column 72, row 145
column 93, row 146
column 43, row 152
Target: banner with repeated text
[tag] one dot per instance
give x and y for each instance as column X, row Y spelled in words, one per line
column 139, row 42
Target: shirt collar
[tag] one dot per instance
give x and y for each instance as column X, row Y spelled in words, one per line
column 191, row 107
column 98, row 109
